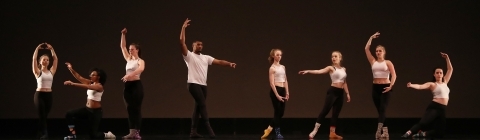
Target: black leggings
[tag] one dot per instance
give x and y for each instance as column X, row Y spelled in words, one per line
column 93, row 115
column 435, row 115
column 334, row 100
column 133, row 97
column 43, row 103
column 199, row 94
column 381, row 100
column 278, row 106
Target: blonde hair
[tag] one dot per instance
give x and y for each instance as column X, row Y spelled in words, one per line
column 341, row 56
column 272, row 53
column 383, row 48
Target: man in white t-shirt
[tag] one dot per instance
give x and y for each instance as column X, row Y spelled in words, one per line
column 197, row 64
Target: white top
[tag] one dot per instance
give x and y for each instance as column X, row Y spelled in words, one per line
column 380, row 70
column 441, row 91
column 132, row 65
column 197, row 65
column 339, row 75
column 45, row 80
column 279, row 75
column 94, row 95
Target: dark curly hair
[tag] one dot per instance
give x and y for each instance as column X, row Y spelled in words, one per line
column 101, row 74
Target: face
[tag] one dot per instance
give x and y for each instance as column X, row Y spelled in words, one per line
column 44, row 61
column 380, row 52
column 336, row 58
column 133, row 50
column 94, row 76
column 197, row 46
column 277, row 56
column 438, row 74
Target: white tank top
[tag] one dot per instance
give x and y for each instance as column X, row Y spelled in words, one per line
column 279, row 75
column 441, row 91
column 94, row 95
column 338, row 76
column 380, row 70
column 132, row 65
column 45, row 80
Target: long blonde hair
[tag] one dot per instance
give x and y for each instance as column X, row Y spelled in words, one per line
column 272, row 53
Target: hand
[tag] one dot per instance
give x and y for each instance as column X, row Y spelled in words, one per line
column 280, row 98
column 68, row 82
column 348, row 97
column 444, row 55
column 69, row 66
column 126, row 78
column 185, row 24
column 375, row 35
column 387, row 89
column 40, row 46
column 49, row 47
column 303, row 72
column 409, row 84
column 124, row 31
column 287, row 97
column 233, row 65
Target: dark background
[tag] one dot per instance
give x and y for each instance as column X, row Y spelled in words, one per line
column 87, row 34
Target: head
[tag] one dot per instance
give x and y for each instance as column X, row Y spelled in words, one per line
column 336, row 57
column 134, row 50
column 437, row 74
column 44, row 61
column 197, row 46
column 98, row 75
column 275, row 56
column 380, row 51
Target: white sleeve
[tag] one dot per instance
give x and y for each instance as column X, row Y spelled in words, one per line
column 187, row 57
column 209, row 59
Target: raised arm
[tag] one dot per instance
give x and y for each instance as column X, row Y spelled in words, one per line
column 35, row 69
column 321, row 71
column 76, row 75
column 53, row 69
column 271, row 75
column 427, row 85
column 448, row 75
column 183, row 46
column 370, row 57
column 391, row 68
column 123, row 45
column 96, row 87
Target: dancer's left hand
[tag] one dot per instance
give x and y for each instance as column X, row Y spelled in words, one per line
column 126, row 78
column 68, row 82
column 348, row 97
column 233, row 65
column 287, row 97
column 387, row 89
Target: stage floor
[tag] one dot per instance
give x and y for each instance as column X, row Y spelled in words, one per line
column 252, row 137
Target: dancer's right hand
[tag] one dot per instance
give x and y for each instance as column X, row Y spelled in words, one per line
column 409, row 84
column 185, row 24
column 69, row 66
column 124, row 31
column 375, row 35
column 280, row 98
column 303, row 72
column 40, row 46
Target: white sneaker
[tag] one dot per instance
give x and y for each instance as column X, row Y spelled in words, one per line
column 109, row 135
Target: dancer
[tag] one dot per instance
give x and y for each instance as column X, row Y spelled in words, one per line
column 43, row 95
column 133, row 91
column 436, row 112
column 278, row 91
column 334, row 99
column 197, row 64
column 382, row 86
column 93, row 109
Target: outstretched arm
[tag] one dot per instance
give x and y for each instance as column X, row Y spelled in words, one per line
column 35, row 69
column 183, row 46
column 391, row 68
column 427, row 85
column 96, row 87
column 223, row 63
column 370, row 57
column 448, row 75
column 53, row 69
column 321, row 71
column 77, row 76
column 123, row 45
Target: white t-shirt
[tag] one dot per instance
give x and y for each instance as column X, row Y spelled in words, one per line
column 197, row 65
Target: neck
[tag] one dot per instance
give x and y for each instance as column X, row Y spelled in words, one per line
column 336, row 65
column 134, row 57
column 43, row 68
column 380, row 59
column 276, row 63
column 196, row 52
column 439, row 81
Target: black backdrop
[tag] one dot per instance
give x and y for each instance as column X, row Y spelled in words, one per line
column 87, row 34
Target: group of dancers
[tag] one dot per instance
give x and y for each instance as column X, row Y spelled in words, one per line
column 198, row 63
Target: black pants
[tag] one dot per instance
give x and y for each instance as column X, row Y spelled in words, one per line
column 381, row 100
column 435, row 115
column 278, row 106
column 93, row 115
column 334, row 101
column 199, row 94
column 43, row 104
column 133, row 97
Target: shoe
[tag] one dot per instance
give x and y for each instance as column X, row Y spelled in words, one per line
column 266, row 132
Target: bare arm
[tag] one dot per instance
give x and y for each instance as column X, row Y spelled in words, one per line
column 370, row 57
column 448, row 75
column 53, row 69
column 123, row 45
column 77, row 76
column 391, row 68
column 222, row 63
column 286, row 81
column 345, row 86
column 427, row 85
column 141, row 67
column 321, row 71
column 271, row 75
column 96, row 87
column 35, row 69
column 183, row 46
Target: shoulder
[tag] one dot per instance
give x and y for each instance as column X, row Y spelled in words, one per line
column 344, row 68
column 329, row 67
column 388, row 62
column 271, row 69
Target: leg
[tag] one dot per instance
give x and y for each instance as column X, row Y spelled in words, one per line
column 197, row 92
column 429, row 116
column 133, row 97
column 41, row 110
column 275, row 104
column 384, row 100
column 94, row 118
column 80, row 113
column 329, row 100
column 279, row 111
column 439, row 125
column 337, row 107
column 376, row 96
